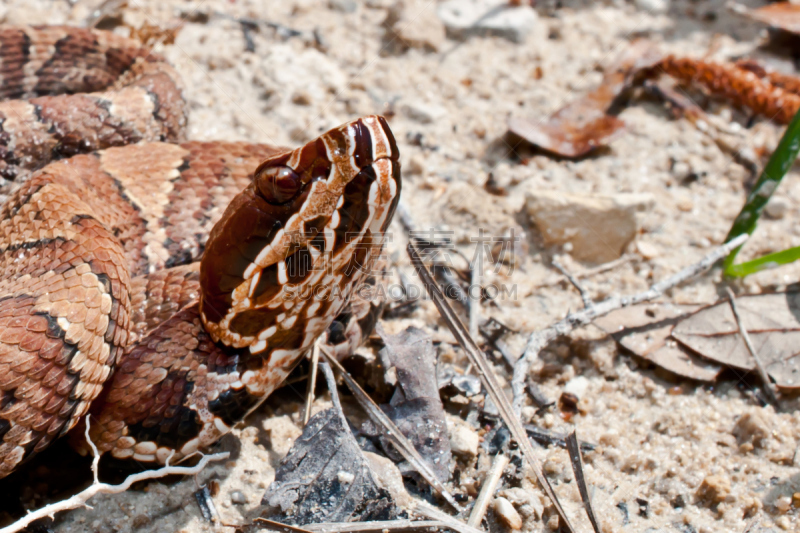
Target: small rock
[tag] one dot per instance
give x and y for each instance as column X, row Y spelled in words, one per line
column 423, row 113
column 777, row 207
column 506, row 512
column 577, row 386
column 464, row 441
column 653, row 6
column 598, row 227
column 389, row 477
column 343, row 6
column 647, row 250
column 527, row 502
column 751, row 428
column 714, row 489
column 414, row 24
column 238, row 498
column 301, row 98
column 487, row 17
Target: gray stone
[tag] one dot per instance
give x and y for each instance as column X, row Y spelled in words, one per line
column 596, row 228
column 238, row 498
column 343, row 6
column 463, row 20
column 777, row 207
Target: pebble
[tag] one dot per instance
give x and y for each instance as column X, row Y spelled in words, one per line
column 777, row 207
column 751, row 428
column 464, row 441
column 487, row 17
column 654, row 6
column 577, row 386
column 506, row 512
column 414, row 24
column 238, row 498
column 343, row 6
column 714, row 489
column 424, row 113
column 598, row 227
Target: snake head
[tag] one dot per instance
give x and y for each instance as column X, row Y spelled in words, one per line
column 292, row 246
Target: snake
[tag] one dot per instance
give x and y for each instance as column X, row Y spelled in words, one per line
column 163, row 288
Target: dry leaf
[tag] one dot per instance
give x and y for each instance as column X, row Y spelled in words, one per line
column 325, row 478
column 583, row 125
column 782, row 15
column 645, row 330
column 773, row 322
column 416, row 407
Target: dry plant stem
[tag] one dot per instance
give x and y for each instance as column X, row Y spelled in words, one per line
column 390, row 430
column 587, row 299
column 577, row 466
column 488, row 379
column 426, row 510
column 312, row 382
column 540, row 339
column 392, row 526
column 474, row 301
column 487, row 490
column 762, row 372
column 81, row 499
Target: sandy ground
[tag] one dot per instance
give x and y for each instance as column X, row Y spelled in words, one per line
column 672, row 455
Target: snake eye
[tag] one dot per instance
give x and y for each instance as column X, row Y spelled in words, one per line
column 278, row 185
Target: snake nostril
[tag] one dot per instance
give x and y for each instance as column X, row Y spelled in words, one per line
column 278, row 185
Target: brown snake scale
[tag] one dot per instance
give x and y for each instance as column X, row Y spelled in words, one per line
column 165, row 288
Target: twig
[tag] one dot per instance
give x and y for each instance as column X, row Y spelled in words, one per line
column 81, row 499
column 393, row 526
column 762, row 372
column 488, row 378
column 587, row 299
column 542, row 436
column 577, row 466
column 487, row 490
column 540, row 339
column 390, row 430
column 423, row 508
column 312, row 382
column 474, row 301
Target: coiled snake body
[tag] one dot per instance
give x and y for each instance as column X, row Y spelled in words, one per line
column 103, row 303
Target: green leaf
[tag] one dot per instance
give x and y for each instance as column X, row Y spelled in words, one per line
column 764, row 262
column 782, row 159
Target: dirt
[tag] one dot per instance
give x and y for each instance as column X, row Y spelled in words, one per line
column 672, row 455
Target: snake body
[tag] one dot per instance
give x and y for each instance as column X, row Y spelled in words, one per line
column 165, row 288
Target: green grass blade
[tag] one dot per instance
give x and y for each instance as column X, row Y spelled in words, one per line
column 782, row 159
column 764, row 262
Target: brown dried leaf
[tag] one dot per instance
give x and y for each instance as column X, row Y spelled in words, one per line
column 773, row 322
column 583, row 125
column 782, row 15
column 645, row 330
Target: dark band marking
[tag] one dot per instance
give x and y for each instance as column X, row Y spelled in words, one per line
column 232, row 405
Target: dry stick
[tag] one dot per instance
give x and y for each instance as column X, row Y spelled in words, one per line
column 540, row 339
column 487, row 490
column 762, row 372
column 423, row 508
column 393, row 526
column 80, row 499
column 488, row 378
column 574, row 450
column 391, row 431
column 474, row 301
column 587, row 299
column 312, row 382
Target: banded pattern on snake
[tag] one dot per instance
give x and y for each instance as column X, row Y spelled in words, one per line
column 168, row 288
